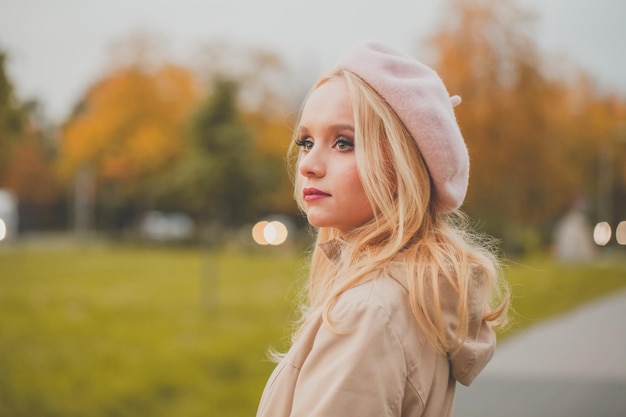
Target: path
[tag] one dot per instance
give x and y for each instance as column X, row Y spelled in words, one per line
column 573, row 366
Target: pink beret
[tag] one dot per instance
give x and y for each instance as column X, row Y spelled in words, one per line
column 418, row 96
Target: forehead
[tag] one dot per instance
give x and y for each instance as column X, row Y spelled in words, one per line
column 330, row 101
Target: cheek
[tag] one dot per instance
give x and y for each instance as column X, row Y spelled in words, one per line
column 353, row 183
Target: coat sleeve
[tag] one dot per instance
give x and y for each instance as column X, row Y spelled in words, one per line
column 355, row 368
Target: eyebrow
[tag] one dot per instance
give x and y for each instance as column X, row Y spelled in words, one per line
column 335, row 128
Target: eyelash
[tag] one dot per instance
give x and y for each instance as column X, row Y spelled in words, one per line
column 302, row 142
column 344, row 141
column 341, row 140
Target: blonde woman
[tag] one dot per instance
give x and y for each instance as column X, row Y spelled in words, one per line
column 401, row 299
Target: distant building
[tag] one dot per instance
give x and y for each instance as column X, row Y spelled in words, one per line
column 573, row 238
column 8, row 215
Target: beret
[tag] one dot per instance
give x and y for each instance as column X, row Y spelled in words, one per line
column 421, row 101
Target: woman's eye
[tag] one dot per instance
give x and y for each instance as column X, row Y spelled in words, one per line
column 344, row 144
column 305, row 143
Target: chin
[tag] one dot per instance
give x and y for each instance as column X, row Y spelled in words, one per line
column 317, row 222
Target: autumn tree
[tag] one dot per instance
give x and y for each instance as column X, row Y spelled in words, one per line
column 219, row 180
column 129, row 124
column 128, row 127
column 271, row 135
column 262, row 76
column 527, row 163
column 26, row 158
column 264, row 101
column 598, row 122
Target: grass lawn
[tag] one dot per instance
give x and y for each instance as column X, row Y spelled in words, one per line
column 542, row 288
column 134, row 331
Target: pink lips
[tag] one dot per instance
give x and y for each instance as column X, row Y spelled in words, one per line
column 312, row 194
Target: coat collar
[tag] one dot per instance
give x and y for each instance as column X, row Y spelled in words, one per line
column 333, row 249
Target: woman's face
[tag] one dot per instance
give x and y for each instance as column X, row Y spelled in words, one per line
column 327, row 178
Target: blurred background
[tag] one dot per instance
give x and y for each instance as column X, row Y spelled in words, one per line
column 150, row 249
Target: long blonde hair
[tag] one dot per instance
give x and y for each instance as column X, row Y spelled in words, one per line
column 435, row 248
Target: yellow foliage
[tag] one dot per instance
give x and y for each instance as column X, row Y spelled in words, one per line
column 536, row 142
column 130, row 124
column 272, row 134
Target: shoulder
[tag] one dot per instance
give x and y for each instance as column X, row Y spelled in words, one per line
column 382, row 300
column 381, row 306
column 380, row 290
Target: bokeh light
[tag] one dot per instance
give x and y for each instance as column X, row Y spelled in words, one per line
column 620, row 233
column 3, row 230
column 602, row 233
column 269, row 233
column 275, row 233
column 257, row 232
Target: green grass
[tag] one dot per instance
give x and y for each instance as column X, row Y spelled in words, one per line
column 542, row 288
column 130, row 331
column 137, row 332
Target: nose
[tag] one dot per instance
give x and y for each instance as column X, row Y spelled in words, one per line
column 312, row 164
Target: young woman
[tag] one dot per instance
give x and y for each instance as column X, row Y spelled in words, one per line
column 400, row 296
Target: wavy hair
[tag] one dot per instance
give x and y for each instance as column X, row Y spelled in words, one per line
column 437, row 249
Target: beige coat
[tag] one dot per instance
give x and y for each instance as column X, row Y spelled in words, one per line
column 376, row 362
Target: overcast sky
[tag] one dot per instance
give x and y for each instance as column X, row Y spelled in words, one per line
column 57, row 48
